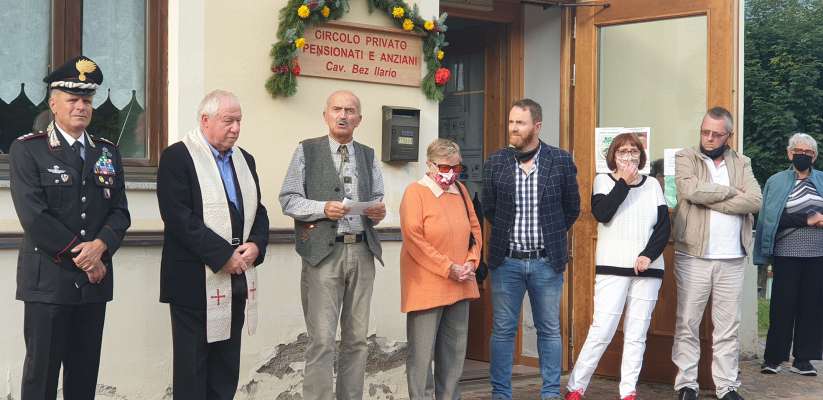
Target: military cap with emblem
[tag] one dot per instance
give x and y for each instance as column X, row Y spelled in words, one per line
column 80, row 76
column 62, row 202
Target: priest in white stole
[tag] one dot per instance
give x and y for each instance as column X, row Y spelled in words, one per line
column 216, row 232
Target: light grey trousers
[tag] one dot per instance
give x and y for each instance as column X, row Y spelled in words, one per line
column 439, row 335
column 339, row 287
column 697, row 279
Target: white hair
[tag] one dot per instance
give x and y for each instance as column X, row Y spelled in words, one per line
column 211, row 103
column 442, row 148
column 799, row 138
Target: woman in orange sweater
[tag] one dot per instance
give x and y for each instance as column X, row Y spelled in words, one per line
column 441, row 248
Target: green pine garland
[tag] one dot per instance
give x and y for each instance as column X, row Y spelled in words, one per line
column 298, row 14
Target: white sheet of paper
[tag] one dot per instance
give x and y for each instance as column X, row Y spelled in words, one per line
column 358, row 207
column 668, row 161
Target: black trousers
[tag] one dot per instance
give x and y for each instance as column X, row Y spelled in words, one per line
column 205, row 371
column 796, row 310
column 67, row 335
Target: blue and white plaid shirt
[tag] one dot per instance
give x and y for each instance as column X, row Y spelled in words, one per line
column 293, row 193
column 526, row 234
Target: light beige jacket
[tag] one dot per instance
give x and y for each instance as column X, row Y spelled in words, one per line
column 697, row 194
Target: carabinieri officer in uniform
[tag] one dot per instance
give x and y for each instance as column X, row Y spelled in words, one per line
column 69, row 193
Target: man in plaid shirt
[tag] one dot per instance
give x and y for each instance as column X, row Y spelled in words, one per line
column 531, row 199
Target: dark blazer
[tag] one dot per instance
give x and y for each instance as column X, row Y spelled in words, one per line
column 62, row 201
column 188, row 245
column 559, row 201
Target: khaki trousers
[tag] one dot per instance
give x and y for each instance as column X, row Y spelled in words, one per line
column 439, row 334
column 697, row 279
column 339, row 287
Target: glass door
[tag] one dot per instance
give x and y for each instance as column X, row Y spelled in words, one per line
column 656, row 64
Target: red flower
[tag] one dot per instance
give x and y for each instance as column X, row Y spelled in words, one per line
column 295, row 70
column 441, row 76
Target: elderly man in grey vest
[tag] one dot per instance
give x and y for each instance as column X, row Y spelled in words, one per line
column 338, row 247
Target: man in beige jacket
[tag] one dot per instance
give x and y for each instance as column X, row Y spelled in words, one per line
column 717, row 194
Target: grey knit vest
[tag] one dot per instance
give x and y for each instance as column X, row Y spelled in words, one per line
column 314, row 240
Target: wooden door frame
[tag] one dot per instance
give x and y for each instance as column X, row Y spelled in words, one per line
column 504, row 84
column 722, row 91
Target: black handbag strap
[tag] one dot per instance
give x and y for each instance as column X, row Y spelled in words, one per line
column 460, row 188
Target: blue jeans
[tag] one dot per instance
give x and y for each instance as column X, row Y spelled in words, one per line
column 510, row 281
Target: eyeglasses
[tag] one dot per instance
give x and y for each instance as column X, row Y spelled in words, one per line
column 713, row 134
column 445, row 168
column 809, row 152
column 633, row 153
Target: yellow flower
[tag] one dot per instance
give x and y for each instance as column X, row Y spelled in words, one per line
column 398, row 12
column 300, row 42
column 303, row 11
column 408, row 24
column 429, row 25
column 325, row 11
column 440, row 54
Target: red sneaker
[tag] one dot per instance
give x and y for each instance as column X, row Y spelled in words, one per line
column 574, row 395
column 632, row 396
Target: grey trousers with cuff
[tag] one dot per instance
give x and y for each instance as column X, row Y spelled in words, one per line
column 440, row 335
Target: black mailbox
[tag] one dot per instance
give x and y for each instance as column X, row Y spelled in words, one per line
column 401, row 133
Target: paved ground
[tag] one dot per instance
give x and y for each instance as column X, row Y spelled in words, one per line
column 756, row 386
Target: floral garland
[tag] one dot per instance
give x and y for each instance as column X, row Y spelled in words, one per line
column 298, row 14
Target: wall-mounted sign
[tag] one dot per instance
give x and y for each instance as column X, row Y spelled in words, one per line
column 362, row 53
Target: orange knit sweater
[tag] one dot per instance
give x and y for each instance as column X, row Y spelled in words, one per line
column 435, row 235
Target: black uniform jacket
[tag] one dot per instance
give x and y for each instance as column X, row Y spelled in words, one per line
column 62, row 201
column 188, row 244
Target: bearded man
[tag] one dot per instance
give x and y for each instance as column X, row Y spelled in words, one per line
column 531, row 199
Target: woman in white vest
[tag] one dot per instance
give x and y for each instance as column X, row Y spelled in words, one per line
column 632, row 231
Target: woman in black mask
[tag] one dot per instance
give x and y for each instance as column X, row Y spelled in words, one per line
column 790, row 238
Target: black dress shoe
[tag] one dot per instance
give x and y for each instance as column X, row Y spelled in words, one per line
column 687, row 394
column 732, row 395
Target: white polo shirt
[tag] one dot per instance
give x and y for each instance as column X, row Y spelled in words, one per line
column 724, row 229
